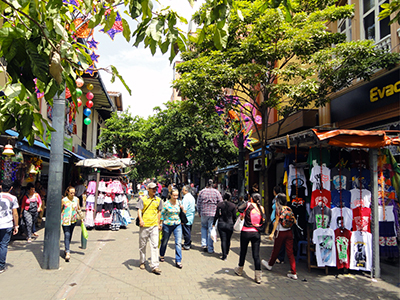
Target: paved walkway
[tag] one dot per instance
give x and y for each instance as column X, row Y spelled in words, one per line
column 109, row 269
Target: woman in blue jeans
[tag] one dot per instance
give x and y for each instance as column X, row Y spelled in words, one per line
column 172, row 224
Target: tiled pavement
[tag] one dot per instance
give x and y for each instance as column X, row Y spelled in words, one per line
column 108, row 269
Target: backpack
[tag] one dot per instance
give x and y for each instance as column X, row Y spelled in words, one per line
column 286, row 217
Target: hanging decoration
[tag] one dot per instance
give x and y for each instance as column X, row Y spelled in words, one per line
column 117, row 26
column 78, row 92
column 87, row 112
column 89, row 104
column 87, row 121
column 79, row 102
column 89, row 96
column 79, row 82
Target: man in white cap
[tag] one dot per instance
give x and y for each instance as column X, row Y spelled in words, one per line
column 149, row 214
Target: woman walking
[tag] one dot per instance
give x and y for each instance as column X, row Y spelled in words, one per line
column 172, row 224
column 284, row 235
column 30, row 208
column 69, row 205
column 226, row 217
column 254, row 218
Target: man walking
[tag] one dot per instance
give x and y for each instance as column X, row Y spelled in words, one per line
column 189, row 206
column 8, row 220
column 207, row 205
column 149, row 214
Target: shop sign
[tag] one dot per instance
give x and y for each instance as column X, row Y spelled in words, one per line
column 68, row 143
column 378, row 93
column 246, row 175
column 83, row 152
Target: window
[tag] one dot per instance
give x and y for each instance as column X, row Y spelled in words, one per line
column 344, row 25
column 371, row 27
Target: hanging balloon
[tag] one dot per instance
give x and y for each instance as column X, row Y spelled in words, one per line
column 79, row 82
column 90, row 86
column 87, row 121
column 78, row 92
column 89, row 104
column 87, row 112
column 79, row 72
column 79, row 102
column 89, row 96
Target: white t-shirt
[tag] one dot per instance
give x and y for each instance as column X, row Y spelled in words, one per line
column 347, row 215
column 325, row 251
column 292, row 179
column 389, row 214
column 361, row 251
column 356, row 201
column 7, row 203
column 315, row 178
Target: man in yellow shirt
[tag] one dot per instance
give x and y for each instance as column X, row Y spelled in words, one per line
column 149, row 214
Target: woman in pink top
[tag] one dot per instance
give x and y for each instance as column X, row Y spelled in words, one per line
column 30, row 208
column 254, row 217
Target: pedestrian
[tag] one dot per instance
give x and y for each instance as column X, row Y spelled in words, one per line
column 30, row 208
column 281, row 256
column 164, row 193
column 189, row 206
column 207, row 205
column 8, row 220
column 69, row 208
column 80, row 189
column 226, row 217
column 172, row 224
column 253, row 214
column 42, row 193
column 284, row 235
column 149, row 214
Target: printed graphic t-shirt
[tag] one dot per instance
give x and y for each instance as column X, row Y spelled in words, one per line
column 361, row 251
column 7, row 203
column 315, row 178
column 316, row 217
column 362, row 219
column 325, row 252
column 318, row 196
column 347, row 215
column 342, row 243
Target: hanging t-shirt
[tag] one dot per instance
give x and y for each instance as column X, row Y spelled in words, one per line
column 362, row 219
column 320, row 196
column 342, row 243
column 345, row 177
column 315, row 178
column 325, row 252
column 364, row 201
column 362, row 175
column 359, row 158
column 301, row 179
column 389, row 213
column 316, row 217
column 316, row 154
column 347, row 216
column 335, row 196
column 361, row 251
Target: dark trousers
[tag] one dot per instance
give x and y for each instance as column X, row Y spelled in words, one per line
column 284, row 238
column 187, row 235
column 68, row 230
column 225, row 233
column 30, row 218
column 5, row 236
column 255, row 239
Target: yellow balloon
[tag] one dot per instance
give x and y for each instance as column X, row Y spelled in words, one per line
column 90, row 86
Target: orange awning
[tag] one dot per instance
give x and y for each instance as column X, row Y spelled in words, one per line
column 357, row 138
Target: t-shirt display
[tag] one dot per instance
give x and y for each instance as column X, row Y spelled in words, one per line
column 335, row 198
column 389, row 213
column 344, row 175
column 361, row 251
column 360, row 174
column 301, row 180
column 342, row 243
column 362, row 219
column 320, row 217
column 315, row 155
column 315, row 178
column 320, row 196
column 325, row 252
column 337, row 214
column 360, row 199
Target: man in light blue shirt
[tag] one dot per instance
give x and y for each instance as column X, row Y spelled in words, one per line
column 188, row 202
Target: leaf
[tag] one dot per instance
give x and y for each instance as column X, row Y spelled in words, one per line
column 37, row 118
column 115, row 73
column 126, row 30
column 60, row 30
column 38, row 64
column 110, row 20
column 217, row 39
column 51, row 90
column 191, row 2
column 240, row 15
column 135, row 9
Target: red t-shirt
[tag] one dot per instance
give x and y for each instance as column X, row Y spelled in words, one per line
column 362, row 219
column 320, row 195
column 342, row 244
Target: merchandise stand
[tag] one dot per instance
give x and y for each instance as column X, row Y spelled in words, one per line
column 349, row 139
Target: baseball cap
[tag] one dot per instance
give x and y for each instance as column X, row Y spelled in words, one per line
column 151, row 185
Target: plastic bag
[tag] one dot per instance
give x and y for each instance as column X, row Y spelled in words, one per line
column 214, row 234
column 238, row 225
column 160, row 235
column 84, row 231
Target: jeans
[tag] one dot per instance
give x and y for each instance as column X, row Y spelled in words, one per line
column 225, row 231
column 145, row 234
column 255, row 239
column 5, row 236
column 284, row 238
column 68, row 235
column 206, row 226
column 187, row 235
column 167, row 231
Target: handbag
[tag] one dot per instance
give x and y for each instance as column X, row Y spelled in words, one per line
column 137, row 221
column 183, row 217
column 238, row 225
column 79, row 214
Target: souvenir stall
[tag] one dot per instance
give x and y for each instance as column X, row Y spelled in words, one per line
column 106, row 201
column 343, row 188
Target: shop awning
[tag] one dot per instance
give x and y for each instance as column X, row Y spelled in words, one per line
column 257, row 153
column 77, row 156
column 109, row 164
column 227, row 168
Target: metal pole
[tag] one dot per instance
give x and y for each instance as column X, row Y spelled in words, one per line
column 373, row 162
column 241, row 165
column 51, row 251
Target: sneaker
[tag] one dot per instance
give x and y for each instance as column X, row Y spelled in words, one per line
column 205, row 249
column 266, row 265
column 2, row 270
column 156, row 271
column 142, row 266
column 29, row 240
column 292, row 276
column 238, row 271
column 186, row 247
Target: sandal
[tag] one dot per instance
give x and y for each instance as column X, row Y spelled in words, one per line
column 162, row 259
column 179, row 265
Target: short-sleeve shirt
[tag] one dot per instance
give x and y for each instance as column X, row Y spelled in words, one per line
column 170, row 214
column 150, row 216
column 68, row 213
column 7, row 203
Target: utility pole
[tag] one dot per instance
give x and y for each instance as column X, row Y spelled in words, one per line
column 51, row 252
column 241, row 165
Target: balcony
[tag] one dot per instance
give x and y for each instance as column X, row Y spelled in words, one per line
column 385, row 43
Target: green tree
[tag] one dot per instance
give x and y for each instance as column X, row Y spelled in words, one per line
column 284, row 64
column 390, row 8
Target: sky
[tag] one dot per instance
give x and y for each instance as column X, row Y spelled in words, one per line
column 149, row 77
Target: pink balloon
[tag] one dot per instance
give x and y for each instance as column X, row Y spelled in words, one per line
column 79, row 102
column 89, row 96
column 89, row 104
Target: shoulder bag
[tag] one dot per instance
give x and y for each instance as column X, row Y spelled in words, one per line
column 137, row 221
column 183, row 217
